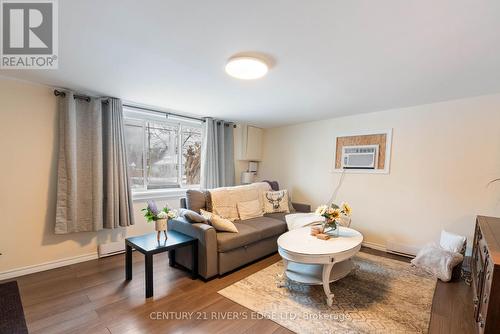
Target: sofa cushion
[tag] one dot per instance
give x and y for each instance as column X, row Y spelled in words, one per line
column 196, row 200
column 277, row 215
column 268, row 227
column 246, row 235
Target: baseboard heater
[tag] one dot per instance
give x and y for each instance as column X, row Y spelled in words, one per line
column 111, row 248
column 401, row 249
column 118, row 247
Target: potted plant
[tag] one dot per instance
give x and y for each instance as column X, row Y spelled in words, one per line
column 333, row 214
column 159, row 217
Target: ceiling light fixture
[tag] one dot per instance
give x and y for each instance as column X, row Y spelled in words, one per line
column 246, row 67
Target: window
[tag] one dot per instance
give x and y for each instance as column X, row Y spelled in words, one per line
column 161, row 153
column 191, row 154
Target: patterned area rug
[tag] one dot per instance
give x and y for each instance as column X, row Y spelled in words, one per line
column 11, row 310
column 380, row 296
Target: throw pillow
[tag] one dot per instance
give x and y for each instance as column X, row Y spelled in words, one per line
column 276, row 201
column 219, row 223
column 191, row 216
column 250, row 209
column 452, row 242
column 437, row 261
column 196, row 200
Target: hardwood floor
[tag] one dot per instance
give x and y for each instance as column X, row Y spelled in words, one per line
column 93, row 297
column 452, row 308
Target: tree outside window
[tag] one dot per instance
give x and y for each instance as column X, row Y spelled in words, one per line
column 162, row 154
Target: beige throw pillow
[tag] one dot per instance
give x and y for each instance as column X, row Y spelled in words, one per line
column 276, row 201
column 250, row 209
column 219, row 223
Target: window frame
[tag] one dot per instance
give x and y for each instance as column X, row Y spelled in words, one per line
column 139, row 194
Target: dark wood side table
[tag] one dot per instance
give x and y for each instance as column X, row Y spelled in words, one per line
column 148, row 245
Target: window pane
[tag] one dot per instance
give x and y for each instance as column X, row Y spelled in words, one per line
column 134, row 138
column 191, row 155
column 162, row 155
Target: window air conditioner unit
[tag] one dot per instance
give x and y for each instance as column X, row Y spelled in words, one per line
column 360, row 157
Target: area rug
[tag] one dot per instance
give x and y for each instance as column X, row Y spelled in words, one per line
column 380, row 296
column 11, row 310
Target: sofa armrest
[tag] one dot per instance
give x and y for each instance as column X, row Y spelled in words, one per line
column 300, row 207
column 207, row 245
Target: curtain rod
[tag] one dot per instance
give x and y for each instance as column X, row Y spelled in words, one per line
column 170, row 113
column 87, row 98
column 75, row 96
column 163, row 112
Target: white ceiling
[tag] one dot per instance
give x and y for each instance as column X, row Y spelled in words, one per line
column 331, row 57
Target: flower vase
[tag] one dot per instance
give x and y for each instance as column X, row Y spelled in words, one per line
column 331, row 229
column 161, row 225
column 345, row 221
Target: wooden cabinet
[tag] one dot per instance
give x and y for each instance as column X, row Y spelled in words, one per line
column 249, row 141
column 486, row 274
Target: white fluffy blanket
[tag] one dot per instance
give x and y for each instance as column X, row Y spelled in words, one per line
column 298, row 220
column 225, row 200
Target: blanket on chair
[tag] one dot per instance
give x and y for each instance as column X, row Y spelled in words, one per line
column 225, row 200
column 298, row 220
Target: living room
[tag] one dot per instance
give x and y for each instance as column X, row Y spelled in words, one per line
column 230, row 166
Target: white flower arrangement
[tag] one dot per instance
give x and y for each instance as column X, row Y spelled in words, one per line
column 151, row 212
column 162, row 215
column 167, row 215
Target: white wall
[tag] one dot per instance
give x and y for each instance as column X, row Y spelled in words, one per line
column 443, row 156
column 28, row 146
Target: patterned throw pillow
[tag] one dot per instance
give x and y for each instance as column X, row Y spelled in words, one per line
column 276, row 201
column 219, row 223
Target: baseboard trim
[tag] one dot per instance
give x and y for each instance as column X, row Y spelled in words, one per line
column 17, row 272
column 374, row 246
column 92, row 256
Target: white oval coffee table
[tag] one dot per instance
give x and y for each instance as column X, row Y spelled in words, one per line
column 310, row 260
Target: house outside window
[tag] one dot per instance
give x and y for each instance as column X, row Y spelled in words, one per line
column 162, row 154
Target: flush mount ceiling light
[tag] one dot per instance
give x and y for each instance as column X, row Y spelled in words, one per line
column 246, row 67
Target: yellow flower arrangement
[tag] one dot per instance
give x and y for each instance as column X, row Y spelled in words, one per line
column 332, row 213
column 321, row 210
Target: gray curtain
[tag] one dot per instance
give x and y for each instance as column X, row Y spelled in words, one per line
column 217, row 155
column 93, row 190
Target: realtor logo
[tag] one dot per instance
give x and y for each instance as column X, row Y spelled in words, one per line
column 29, row 34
